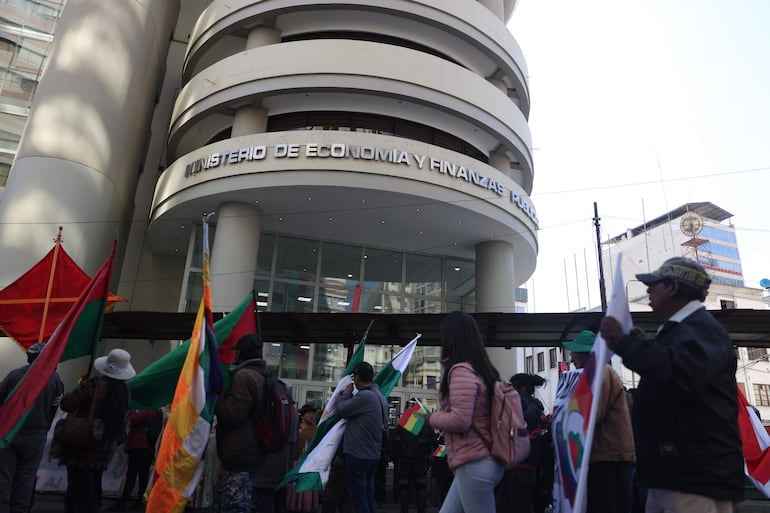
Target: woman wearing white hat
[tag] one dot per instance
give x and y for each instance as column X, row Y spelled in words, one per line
column 105, row 398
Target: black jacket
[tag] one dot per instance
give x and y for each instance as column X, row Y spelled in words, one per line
column 685, row 410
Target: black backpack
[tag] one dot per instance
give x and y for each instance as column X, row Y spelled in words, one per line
column 276, row 413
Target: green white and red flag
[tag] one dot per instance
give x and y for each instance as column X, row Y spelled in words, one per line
column 77, row 335
column 179, row 464
column 154, row 386
column 312, row 471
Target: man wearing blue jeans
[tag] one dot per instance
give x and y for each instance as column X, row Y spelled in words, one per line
column 366, row 412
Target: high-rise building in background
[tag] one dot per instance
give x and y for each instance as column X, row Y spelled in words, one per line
column 703, row 232
column 699, row 231
column 361, row 156
column 26, row 33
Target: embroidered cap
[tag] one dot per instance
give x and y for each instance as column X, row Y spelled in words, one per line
column 685, row 271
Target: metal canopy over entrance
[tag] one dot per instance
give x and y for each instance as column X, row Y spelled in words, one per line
column 748, row 328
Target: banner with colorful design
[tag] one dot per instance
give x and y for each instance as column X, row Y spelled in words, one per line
column 574, row 412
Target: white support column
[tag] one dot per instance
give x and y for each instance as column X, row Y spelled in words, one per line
column 495, row 292
column 234, row 254
column 79, row 157
column 496, row 6
column 495, row 287
column 263, row 36
column 249, row 120
column 500, row 161
column 253, row 120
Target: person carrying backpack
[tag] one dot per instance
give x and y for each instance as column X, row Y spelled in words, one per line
column 239, row 451
column 516, row 492
column 465, row 396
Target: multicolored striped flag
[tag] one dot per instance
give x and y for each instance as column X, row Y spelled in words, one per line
column 179, row 464
column 78, row 333
column 440, row 451
column 154, row 386
column 574, row 412
column 756, row 445
column 312, row 471
column 413, row 418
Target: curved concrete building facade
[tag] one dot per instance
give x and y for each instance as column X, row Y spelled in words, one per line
column 360, row 155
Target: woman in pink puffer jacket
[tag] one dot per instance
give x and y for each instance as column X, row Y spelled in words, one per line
column 465, row 399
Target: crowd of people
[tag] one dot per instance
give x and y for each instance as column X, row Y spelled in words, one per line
column 676, row 449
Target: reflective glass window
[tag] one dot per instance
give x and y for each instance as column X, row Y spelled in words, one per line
column 261, row 290
column 421, row 305
column 424, row 369
column 329, row 361
column 292, row 297
column 294, row 361
column 296, row 259
column 336, row 300
column 340, row 264
column 265, row 255
column 423, row 275
column 460, row 289
column 382, row 270
column 272, row 352
column 375, row 302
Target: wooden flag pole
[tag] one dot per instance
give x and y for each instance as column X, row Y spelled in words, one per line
column 50, row 285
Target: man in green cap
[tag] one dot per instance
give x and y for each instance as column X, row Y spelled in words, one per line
column 685, row 412
column 612, row 450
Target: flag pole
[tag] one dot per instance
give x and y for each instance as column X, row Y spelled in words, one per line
column 57, row 245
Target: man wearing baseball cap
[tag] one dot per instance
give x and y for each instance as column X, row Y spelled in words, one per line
column 688, row 446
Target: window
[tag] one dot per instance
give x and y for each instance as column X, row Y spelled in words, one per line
column 553, row 358
column 529, row 366
column 540, row 362
column 762, row 394
column 756, row 353
column 726, row 304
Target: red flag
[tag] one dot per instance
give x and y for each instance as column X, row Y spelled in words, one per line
column 76, row 335
column 23, row 303
column 756, row 445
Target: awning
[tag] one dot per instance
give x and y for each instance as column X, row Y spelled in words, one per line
column 749, row 328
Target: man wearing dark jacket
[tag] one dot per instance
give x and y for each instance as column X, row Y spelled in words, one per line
column 237, row 411
column 19, row 461
column 685, row 410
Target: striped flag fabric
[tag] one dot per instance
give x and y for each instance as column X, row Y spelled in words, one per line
column 756, row 444
column 154, row 386
column 574, row 412
column 413, row 418
column 312, row 471
column 440, row 451
column 78, row 333
column 179, row 463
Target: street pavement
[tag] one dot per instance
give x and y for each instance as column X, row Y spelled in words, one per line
column 54, row 503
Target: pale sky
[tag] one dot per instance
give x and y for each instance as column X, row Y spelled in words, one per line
column 643, row 106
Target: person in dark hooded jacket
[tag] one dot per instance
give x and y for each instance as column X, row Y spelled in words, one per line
column 237, row 411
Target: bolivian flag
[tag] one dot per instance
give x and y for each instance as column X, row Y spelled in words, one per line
column 413, row 418
column 440, row 451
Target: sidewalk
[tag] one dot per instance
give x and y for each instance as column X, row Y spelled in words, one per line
column 54, row 503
